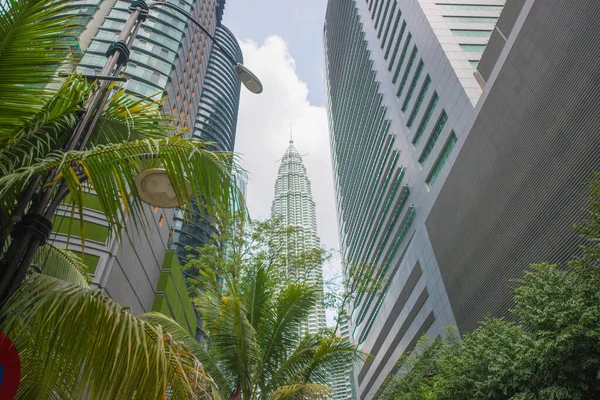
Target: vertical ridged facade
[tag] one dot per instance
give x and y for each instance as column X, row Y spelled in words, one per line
column 400, row 96
column 520, row 182
column 216, row 122
column 294, row 207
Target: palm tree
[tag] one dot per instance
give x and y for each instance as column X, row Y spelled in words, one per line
column 74, row 341
column 253, row 345
column 36, row 121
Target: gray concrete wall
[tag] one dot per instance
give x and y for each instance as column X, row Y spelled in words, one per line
column 518, row 185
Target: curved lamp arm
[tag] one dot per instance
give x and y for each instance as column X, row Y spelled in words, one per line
column 249, row 80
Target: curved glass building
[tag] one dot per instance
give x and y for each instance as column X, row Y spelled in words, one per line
column 216, row 122
column 216, row 119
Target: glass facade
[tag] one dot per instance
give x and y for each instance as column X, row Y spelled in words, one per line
column 150, row 65
column 419, row 101
column 480, row 16
column 426, row 118
column 435, row 135
column 167, row 49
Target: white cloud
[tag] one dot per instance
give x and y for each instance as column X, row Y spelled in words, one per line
column 263, row 134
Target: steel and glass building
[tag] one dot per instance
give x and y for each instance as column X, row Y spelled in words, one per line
column 341, row 384
column 294, row 207
column 442, row 154
column 168, row 60
column 216, row 122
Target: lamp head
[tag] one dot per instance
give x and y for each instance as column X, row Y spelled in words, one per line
column 249, row 80
column 155, row 188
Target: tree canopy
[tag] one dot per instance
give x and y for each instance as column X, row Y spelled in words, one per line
column 252, row 311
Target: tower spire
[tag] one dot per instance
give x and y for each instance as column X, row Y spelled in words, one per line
column 291, row 138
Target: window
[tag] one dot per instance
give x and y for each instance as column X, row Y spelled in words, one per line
column 426, row 117
column 419, row 101
column 411, row 60
column 439, row 164
column 385, row 13
column 387, row 28
column 402, row 56
column 473, row 48
column 472, row 20
column 439, row 127
column 471, row 33
column 412, row 86
column 474, row 7
column 400, row 35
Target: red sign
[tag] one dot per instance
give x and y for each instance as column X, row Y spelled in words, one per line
column 10, row 368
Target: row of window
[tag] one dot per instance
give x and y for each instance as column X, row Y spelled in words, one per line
column 375, row 7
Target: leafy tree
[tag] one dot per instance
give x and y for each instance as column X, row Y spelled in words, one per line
column 552, row 351
column 358, row 282
column 253, row 346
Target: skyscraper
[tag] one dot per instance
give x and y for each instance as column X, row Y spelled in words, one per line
column 418, row 88
column 169, row 58
column 216, row 122
column 342, row 382
column 293, row 205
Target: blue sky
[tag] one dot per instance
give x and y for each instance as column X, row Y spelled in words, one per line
column 298, row 23
column 282, row 45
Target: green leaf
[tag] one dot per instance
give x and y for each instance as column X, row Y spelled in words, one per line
column 96, row 348
column 34, row 40
column 61, row 264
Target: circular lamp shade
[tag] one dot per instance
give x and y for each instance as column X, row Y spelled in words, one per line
column 155, row 188
column 249, row 80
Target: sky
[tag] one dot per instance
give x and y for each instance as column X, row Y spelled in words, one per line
column 282, row 44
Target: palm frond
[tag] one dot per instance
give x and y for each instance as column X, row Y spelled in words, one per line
column 258, row 292
column 223, row 384
column 293, row 303
column 301, row 391
column 61, row 264
column 230, row 336
column 334, row 354
column 111, row 170
column 116, row 356
column 293, row 367
column 34, row 39
column 47, row 130
column 129, row 118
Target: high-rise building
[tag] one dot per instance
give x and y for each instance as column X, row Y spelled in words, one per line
column 168, row 60
column 341, row 384
column 294, row 207
column 216, row 122
column 420, row 89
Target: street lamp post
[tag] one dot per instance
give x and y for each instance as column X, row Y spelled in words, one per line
column 38, row 203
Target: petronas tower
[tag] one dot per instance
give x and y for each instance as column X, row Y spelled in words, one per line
column 294, row 206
